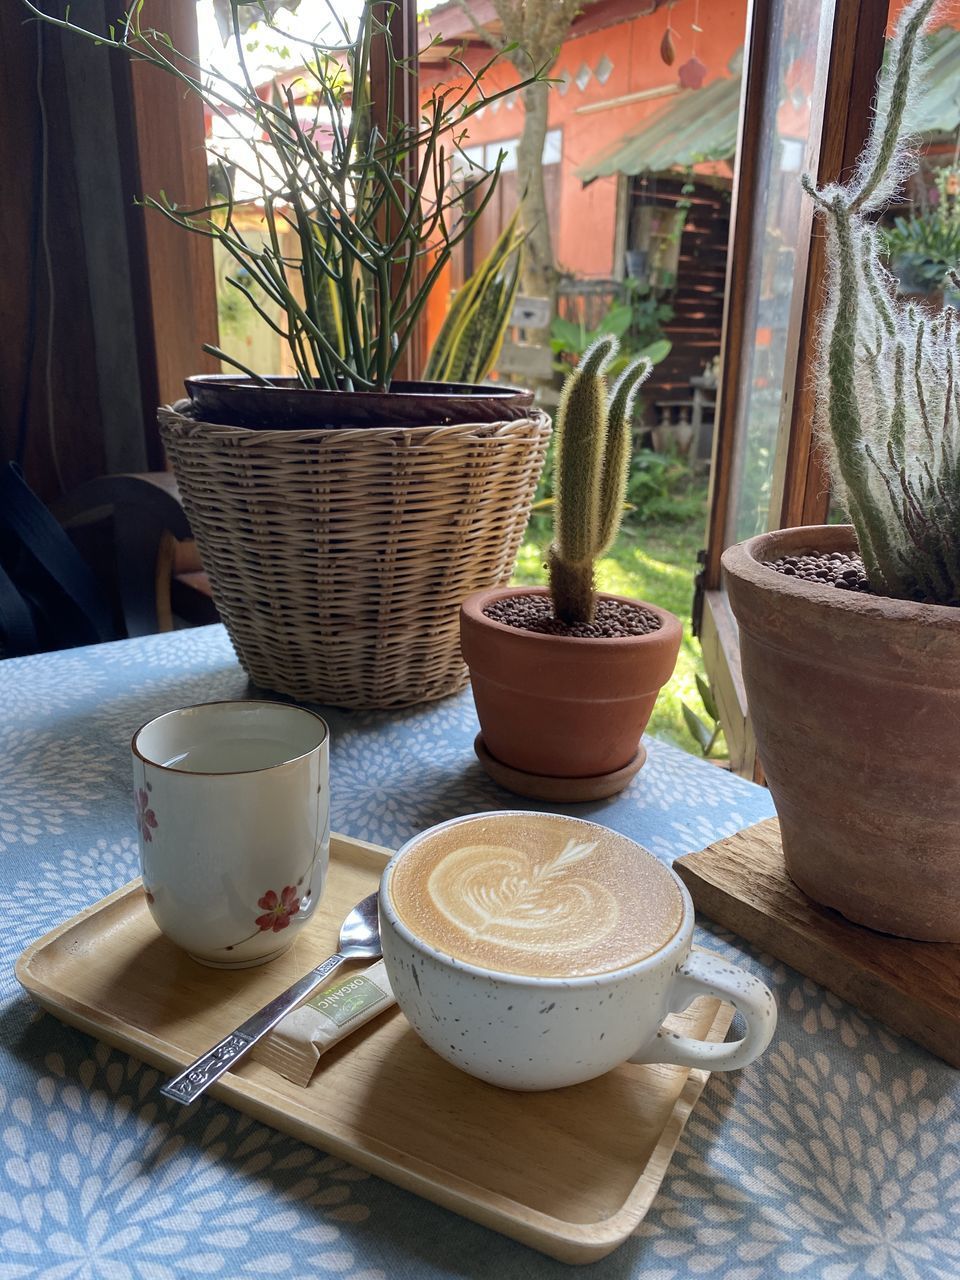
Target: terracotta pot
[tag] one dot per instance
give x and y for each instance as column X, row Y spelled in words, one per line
column 855, row 701
column 563, row 707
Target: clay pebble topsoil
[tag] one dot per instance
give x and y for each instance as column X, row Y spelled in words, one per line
column 834, row 568
column 615, row 619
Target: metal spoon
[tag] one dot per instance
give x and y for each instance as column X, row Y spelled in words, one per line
column 359, row 937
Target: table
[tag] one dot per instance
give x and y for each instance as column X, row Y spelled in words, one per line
column 837, row 1155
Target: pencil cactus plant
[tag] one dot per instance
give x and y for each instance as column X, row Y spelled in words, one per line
column 360, row 219
column 594, row 441
column 889, row 394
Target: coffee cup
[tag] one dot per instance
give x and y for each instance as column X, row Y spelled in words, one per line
column 534, row 951
column 232, row 809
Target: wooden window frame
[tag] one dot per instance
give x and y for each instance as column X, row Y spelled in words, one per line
column 800, row 493
column 172, row 158
column 401, row 16
column 803, row 494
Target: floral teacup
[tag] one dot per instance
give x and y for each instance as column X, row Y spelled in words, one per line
column 232, row 806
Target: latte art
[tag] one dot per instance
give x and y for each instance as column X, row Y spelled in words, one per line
column 536, row 894
column 494, row 892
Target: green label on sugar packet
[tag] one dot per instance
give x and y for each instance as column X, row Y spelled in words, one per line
column 348, row 999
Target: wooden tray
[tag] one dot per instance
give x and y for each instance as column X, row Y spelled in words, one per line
column 913, row 987
column 569, row 1172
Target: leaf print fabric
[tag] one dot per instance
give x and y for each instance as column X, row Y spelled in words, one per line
column 836, row 1156
column 47, row 782
column 107, row 1183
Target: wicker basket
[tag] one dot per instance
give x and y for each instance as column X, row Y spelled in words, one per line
column 338, row 559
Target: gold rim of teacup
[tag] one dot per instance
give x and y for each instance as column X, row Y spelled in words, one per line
column 228, row 702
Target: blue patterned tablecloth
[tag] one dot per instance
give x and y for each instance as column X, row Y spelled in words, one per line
column 837, row 1155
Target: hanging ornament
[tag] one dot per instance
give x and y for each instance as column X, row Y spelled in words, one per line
column 692, row 73
column 695, row 26
column 668, row 50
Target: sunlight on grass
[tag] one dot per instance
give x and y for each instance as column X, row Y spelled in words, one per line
column 654, row 563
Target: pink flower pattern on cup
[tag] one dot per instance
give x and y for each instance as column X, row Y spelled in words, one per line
column 277, row 909
column 146, row 818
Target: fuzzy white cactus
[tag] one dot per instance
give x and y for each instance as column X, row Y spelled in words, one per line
column 889, row 393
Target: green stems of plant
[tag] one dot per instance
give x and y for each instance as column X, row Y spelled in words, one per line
column 363, row 210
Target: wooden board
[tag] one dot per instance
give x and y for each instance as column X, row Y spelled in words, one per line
column 518, row 361
column 569, row 1172
column 912, row 987
column 531, row 313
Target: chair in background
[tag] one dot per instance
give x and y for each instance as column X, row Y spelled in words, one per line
column 133, row 532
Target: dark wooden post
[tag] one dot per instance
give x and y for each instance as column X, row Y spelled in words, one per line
column 170, row 157
column 401, row 17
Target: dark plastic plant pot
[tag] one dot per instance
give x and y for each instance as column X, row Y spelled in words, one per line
column 238, row 401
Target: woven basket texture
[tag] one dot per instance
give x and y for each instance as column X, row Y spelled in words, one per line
column 338, row 558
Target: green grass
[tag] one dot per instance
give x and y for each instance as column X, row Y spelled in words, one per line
column 653, row 562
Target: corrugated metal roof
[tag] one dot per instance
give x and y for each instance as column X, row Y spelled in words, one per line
column 698, row 125
column 701, row 124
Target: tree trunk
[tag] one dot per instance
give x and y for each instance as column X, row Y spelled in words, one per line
column 540, row 272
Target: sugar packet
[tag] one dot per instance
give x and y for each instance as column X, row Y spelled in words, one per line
column 298, row 1041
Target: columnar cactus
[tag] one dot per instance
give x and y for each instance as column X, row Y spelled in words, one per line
column 889, row 394
column 593, row 445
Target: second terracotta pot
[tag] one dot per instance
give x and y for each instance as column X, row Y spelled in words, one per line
column 560, row 706
column 855, row 700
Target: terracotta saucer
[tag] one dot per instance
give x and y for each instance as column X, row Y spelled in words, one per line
column 537, row 786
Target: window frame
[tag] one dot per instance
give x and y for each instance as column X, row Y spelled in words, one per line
column 800, row 492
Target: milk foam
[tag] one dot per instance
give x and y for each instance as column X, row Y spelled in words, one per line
column 536, row 894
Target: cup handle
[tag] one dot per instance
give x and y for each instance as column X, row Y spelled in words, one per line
column 703, row 973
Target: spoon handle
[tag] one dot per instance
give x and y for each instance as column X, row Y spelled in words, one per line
column 210, row 1066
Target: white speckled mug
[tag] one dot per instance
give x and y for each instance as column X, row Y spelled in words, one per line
column 536, row 951
column 232, row 805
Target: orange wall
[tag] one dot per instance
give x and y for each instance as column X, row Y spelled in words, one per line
column 585, row 219
column 946, row 17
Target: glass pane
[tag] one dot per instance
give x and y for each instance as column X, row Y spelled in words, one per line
column 636, row 163
column 788, row 145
